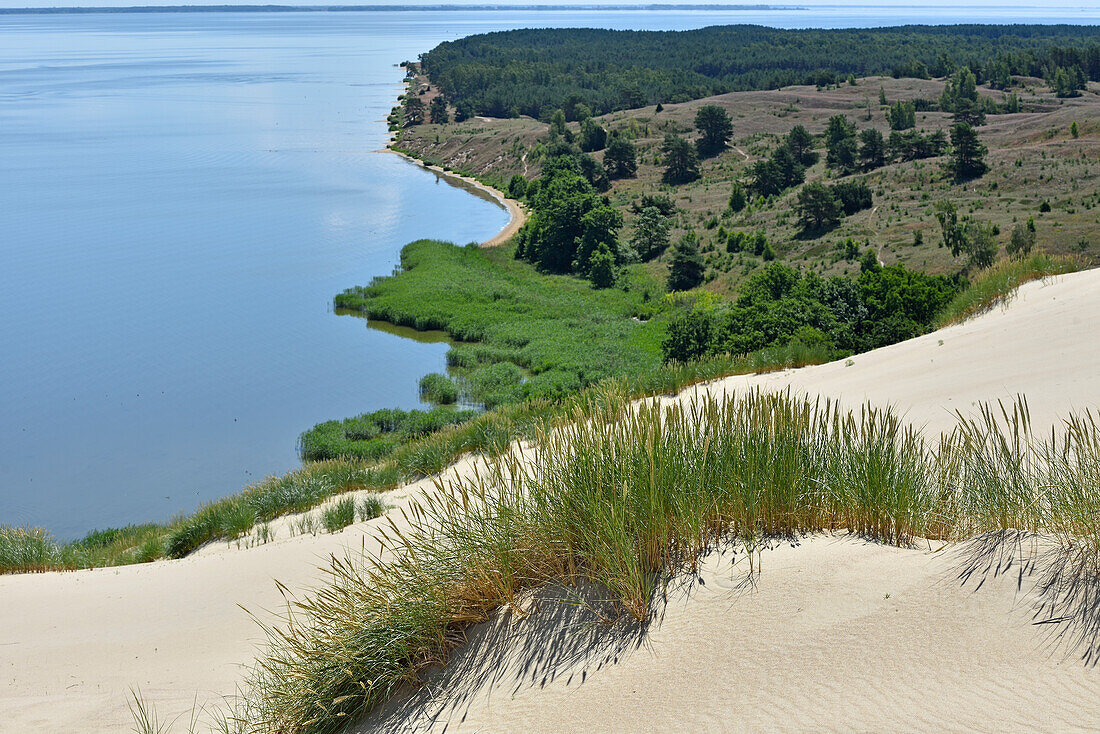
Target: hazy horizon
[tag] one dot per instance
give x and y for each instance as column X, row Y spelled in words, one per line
column 963, row 4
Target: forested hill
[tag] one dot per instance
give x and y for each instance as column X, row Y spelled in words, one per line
column 535, row 71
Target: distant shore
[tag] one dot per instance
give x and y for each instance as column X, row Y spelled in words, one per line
column 516, row 211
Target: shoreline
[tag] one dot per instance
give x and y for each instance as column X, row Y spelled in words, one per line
column 516, row 211
column 174, row 630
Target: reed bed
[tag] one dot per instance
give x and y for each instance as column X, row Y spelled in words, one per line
column 629, row 496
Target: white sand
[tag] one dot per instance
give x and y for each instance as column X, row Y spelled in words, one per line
column 814, row 644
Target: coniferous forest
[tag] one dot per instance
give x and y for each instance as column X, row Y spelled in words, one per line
column 536, row 71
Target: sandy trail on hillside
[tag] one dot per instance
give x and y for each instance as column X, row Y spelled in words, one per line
column 835, row 634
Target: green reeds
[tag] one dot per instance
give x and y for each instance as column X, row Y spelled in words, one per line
column 438, row 389
column 629, row 496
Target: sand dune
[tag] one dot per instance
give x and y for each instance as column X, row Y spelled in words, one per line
column 835, row 634
column 1043, row 345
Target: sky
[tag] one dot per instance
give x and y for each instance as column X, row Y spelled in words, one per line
column 1087, row 4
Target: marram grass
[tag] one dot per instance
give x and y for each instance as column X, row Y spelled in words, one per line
column 996, row 284
column 628, row 496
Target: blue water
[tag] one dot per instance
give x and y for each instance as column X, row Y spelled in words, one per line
column 183, row 194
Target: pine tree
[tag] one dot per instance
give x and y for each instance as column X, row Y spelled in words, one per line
column 437, row 111
column 840, row 144
column 872, row 150
column 414, row 110
column 686, row 267
column 716, row 128
column 968, row 154
column 737, row 197
column 681, row 161
column 619, row 160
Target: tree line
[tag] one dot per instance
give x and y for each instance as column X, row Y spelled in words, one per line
column 537, row 71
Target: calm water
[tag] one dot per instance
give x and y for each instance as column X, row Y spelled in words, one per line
column 182, row 197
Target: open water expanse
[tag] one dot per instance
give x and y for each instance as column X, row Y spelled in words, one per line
column 181, row 195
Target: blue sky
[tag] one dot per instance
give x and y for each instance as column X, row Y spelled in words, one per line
column 1083, row 4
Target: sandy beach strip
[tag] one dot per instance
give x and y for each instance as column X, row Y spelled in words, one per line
column 516, row 212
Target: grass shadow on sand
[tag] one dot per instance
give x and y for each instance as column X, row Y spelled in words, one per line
column 1059, row 583
column 559, row 631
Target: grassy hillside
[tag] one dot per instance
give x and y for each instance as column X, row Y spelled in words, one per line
column 1033, row 157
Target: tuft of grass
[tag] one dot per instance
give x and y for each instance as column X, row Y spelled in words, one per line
column 438, row 389
column 28, row 549
column 997, row 284
column 629, row 497
column 338, row 515
column 370, row 508
column 307, row 523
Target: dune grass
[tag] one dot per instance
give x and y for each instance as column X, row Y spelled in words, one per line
column 997, row 284
column 629, row 497
column 297, row 491
column 369, row 508
column 339, row 515
column 29, row 550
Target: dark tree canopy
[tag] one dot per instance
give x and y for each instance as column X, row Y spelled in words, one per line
column 570, row 223
column 715, row 127
column 437, row 111
column 651, row 231
column 778, row 305
column 680, row 159
column 535, row 71
column 872, row 149
column 818, row 208
column 968, row 152
column 620, row 158
column 414, row 110
column 686, row 268
column 902, row 116
column 801, row 145
column 593, row 136
column 841, row 145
